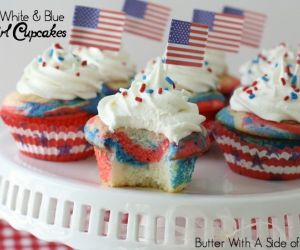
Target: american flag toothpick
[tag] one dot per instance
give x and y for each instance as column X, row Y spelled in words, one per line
column 187, row 43
column 225, row 31
column 253, row 26
column 102, row 29
column 146, row 19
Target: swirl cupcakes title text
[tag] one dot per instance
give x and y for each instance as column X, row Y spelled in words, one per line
column 16, row 25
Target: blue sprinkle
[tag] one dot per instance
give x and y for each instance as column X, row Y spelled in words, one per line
column 60, row 58
column 255, row 61
column 276, row 65
column 166, row 89
column 294, row 79
column 205, row 63
column 294, row 96
column 40, row 59
column 163, row 60
column 51, row 52
column 265, row 78
column 251, row 96
column 144, row 77
column 149, row 91
column 249, row 71
column 169, row 80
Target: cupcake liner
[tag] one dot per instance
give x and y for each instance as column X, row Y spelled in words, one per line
column 51, row 138
column 256, row 158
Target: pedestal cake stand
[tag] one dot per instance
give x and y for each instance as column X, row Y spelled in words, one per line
column 65, row 202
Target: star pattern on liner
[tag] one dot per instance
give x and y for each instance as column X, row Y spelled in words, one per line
column 256, row 162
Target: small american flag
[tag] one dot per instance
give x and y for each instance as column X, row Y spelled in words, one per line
column 225, row 31
column 146, row 19
column 253, row 26
column 187, row 43
column 102, row 29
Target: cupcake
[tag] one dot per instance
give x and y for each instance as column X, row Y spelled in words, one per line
column 261, row 64
column 215, row 61
column 260, row 132
column 55, row 97
column 199, row 84
column 114, row 68
column 148, row 135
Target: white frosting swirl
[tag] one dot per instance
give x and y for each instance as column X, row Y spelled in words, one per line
column 112, row 66
column 215, row 59
column 58, row 74
column 192, row 79
column 274, row 99
column 167, row 112
column 260, row 65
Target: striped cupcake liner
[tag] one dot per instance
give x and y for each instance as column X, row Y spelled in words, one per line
column 63, row 140
column 266, row 162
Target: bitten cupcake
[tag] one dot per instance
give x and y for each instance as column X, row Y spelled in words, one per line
column 260, row 131
column 261, row 64
column 148, row 135
column 115, row 69
column 55, row 97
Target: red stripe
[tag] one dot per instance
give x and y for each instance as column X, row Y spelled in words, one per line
column 119, row 13
column 229, row 21
column 156, row 17
column 197, row 45
column 185, row 50
column 112, row 18
column 94, row 39
column 94, row 33
column 62, row 158
column 199, row 32
column 224, row 38
column 183, row 63
column 156, row 12
column 230, row 15
column 254, row 45
column 228, row 27
column 159, row 24
column 49, row 143
column 203, row 39
column 160, row 6
column 221, row 49
column 184, row 56
column 200, row 25
column 111, row 24
column 113, row 30
column 144, row 26
column 226, row 33
column 86, row 44
column 159, row 39
column 221, row 42
column 255, row 14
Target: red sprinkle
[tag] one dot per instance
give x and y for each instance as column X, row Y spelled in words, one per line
column 255, row 88
column 297, row 90
column 283, row 81
column 294, row 86
column 143, row 71
column 209, row 70
column 286, row 55
column 142, row 88
column 83, row 63
column 58, row 46
column 57, row 67
column 78, row 74
column 174, row 87
column 124, row 93
column 254, row 83
column 139, row 99
column 160, row 90
column 250, row 92
column 298, row 61
column 286, row 98
column 245, row 88
column 44, row 64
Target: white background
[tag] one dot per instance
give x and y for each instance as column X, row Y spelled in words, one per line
column 283, row 25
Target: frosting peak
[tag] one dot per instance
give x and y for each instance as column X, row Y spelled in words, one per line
column 274, row 97
column 58, row 74
column 153, row 104
column 111, row 66
column 263, row 62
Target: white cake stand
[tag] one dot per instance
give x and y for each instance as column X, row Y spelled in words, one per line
column 64, row 202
